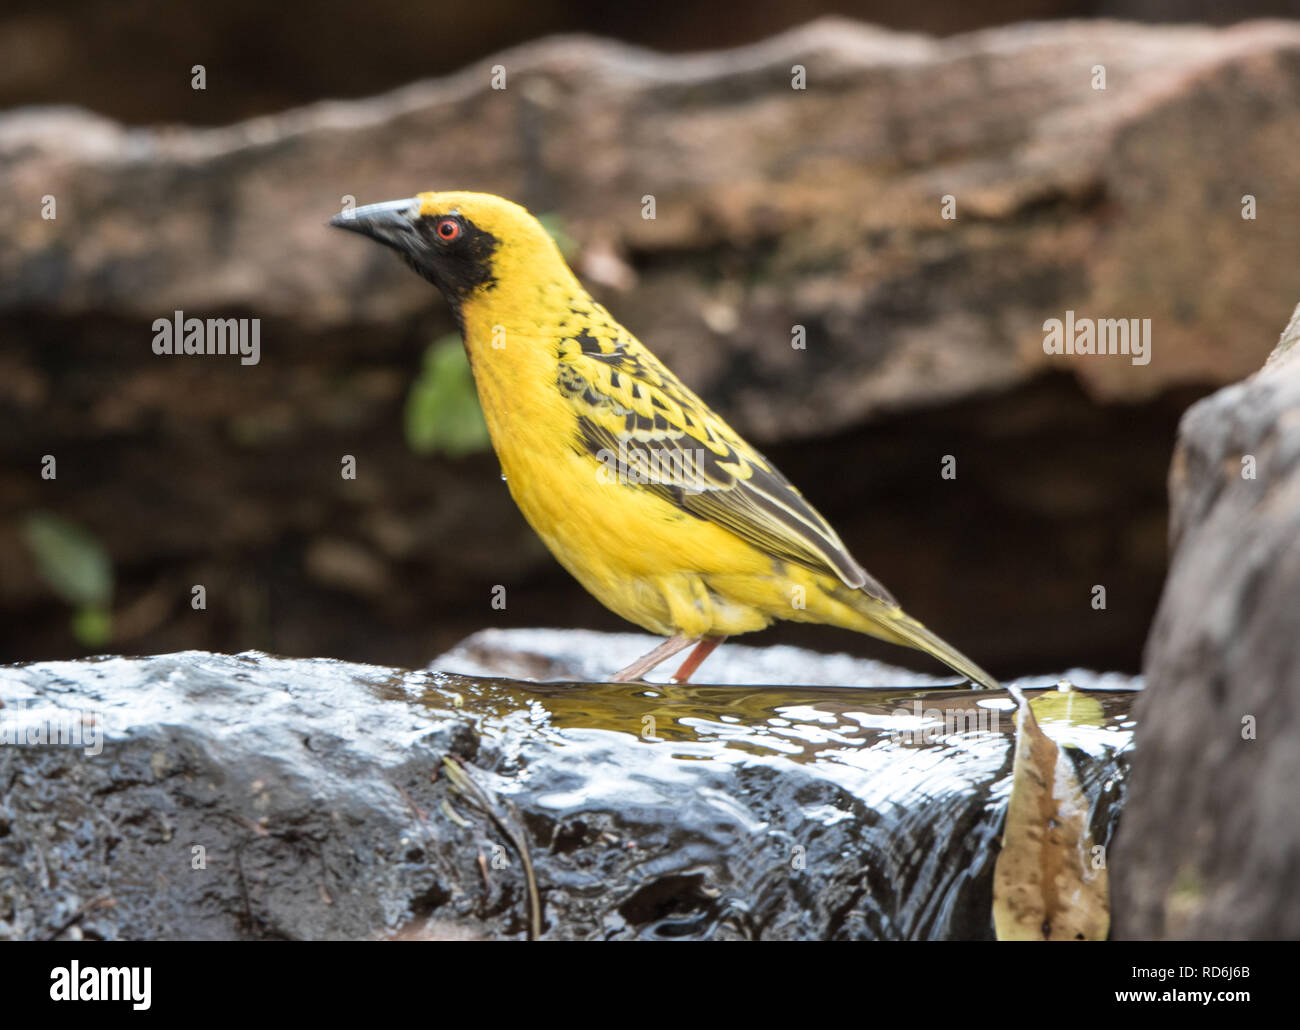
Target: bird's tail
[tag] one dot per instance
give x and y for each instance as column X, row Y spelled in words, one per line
column 890, row 622
column 917, row 636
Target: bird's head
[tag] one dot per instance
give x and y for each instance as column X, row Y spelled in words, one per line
column 463, row 243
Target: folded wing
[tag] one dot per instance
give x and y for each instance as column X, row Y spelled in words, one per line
column 634, row 415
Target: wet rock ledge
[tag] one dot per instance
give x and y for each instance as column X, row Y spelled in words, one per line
column 253, row 797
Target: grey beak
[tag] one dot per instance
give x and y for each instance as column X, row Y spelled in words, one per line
column 390, row 222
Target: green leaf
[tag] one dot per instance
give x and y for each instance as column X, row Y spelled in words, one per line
column 92, row 626
column 442, row 412
column 70, row 559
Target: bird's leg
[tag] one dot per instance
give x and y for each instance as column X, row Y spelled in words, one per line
column 702, row 650
column 645, row 663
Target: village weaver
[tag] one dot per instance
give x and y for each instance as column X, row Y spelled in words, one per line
column 639, row 489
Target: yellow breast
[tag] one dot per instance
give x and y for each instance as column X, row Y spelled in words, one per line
column 639, row 555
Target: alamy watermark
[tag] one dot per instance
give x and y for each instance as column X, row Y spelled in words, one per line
column 74, row 982
column 930, row 725
column 198, row 336
column 1101, row 336
column 61, row 727
column 638, row 466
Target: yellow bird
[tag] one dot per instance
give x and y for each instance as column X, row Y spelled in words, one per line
column 639, row 489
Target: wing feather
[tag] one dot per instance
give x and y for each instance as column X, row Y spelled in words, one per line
column 630, row 409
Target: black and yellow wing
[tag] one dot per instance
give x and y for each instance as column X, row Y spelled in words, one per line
column 633, row 414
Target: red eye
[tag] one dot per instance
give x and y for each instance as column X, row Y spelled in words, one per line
column 448, row 229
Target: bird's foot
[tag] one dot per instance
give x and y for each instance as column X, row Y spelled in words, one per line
column 702, row 650
column 645, row 663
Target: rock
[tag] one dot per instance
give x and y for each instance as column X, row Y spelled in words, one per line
column 1210, row 842
column 818, row 207
column 317, row 792
column 111, row 55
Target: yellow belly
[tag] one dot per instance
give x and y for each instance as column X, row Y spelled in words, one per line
column 636, row 553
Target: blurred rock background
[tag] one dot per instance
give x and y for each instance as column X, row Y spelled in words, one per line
column 125, row 59
column 775, row 208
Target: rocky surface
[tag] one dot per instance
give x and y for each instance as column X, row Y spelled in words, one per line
column 818, row 206
column 318, row 794
column 1210, row 844
column 775, row 207
column 261, row 61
